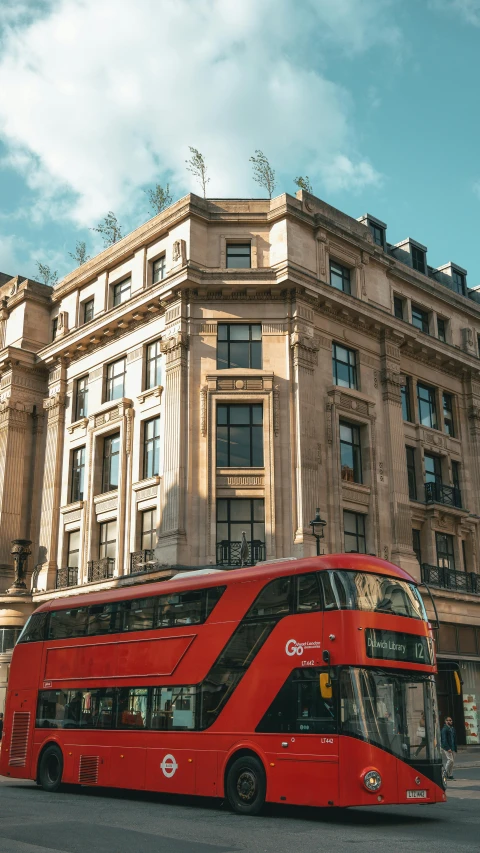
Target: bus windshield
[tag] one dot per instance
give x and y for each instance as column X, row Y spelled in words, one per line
column 345, row 590
column 395, row 711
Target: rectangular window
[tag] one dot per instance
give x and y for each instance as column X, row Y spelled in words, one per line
column 412, row 480
column 81, row 398
column 54, row 328
column 433, row 469
column 121, row 291
column 416, row 545
column 340, row 277
column 88, row 310
column 458, row 280
column 158, row 269
column 73, row 554
column 344, row 367
column 115, row 386
column 132, row 706
column 173, row 708
column 236, row 516
column 427, row 406
column 111, row 458
column 350, row 453
column 406, row 400
column 108, row 539
column 418, row 259
column 151, row 448
column 78, row 475
column 378, row 234
column 239, row 256
column 442, row 330
column 456, row 474
column 354, row 532
column 398, row 307
column 154, row 366
column 64, row 624
column 420, row 319
column 448, row 424
column 445, row 551
column 240, row 436
column 138, row 615
column 239, row 345
column 148, row 528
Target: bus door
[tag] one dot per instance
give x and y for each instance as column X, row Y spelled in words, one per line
column 18, row 732
column 305, row 754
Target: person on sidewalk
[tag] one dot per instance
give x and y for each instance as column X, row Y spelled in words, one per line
column 449, row 746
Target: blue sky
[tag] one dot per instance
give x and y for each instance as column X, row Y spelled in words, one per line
column 375, row 100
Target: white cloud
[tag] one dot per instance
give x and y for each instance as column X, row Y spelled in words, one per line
column 101, row 96
column 469, row 10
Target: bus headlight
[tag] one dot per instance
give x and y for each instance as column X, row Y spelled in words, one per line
column 372, row 780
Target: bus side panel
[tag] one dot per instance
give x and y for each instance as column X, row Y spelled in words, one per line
column 301, row 770
column 16, row 751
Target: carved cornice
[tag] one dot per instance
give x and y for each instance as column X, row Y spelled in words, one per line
column 56, row 401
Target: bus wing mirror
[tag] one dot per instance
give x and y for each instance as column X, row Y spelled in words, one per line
column 325, row 685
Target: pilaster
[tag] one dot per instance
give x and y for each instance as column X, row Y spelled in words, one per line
column 54, row 406
column 304, row 348
column 394, row 436
column 14, row 428
column 171, row 545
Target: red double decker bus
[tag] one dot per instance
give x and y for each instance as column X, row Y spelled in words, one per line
column 304, row 681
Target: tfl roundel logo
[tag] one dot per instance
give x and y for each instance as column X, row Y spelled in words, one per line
column 169, row 766
column 293, row 648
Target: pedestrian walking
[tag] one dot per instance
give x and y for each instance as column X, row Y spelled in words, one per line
column 449, row 746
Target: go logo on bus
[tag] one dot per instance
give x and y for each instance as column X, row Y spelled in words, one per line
column 293, row 648
column 169, row 766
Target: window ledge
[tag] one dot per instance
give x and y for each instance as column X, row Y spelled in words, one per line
column 150, row 392
column 144, row 484
column 80, row 424
column 125, row 402
column 72, row 507
column 105, row 496
column 332, row 390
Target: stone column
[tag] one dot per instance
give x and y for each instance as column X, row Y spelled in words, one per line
column 51, row 488
column 304, row 350
column 171, row 545
column 14, row 425
column 402, row 553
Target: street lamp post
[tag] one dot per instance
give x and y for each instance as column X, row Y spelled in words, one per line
column 317, row 526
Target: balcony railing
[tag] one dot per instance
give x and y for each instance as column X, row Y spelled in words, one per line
column 229, row 553
column 143, row 561
column 446, row 578
column 99, row 570
column 66, row 577
column 437, row 493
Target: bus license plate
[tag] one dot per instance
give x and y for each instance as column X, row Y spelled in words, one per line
column 416, row 795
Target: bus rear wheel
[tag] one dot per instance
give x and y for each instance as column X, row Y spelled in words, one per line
column 50, row 769
column 246, row 786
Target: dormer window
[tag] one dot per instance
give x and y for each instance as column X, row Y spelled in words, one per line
column 378, row 234
column 458, row 282
column 418, row 259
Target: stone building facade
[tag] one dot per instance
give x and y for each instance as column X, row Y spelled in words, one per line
column 215, row 376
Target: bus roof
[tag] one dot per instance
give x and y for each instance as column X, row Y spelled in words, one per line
column 356, row 562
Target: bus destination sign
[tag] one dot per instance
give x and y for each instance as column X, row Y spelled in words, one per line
column 392, row 645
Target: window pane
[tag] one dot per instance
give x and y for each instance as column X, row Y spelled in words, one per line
column 256, row 355
column 222, row 355
column 240, row 510
column 222, row 332
column 222, row 505
column 179, row 609
column 132, row 703
column 275, row 599
column 104, row 618
column 256, row 332
column 68, row 623
column 239, row 355
column 258, row 510
column 239, row 332
column 447, row 638
column 137, row 615
column 308, row 593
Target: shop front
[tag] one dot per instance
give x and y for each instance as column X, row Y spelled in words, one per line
column 458, row 680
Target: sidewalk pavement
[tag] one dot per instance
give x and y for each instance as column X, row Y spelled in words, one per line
column 468, row 756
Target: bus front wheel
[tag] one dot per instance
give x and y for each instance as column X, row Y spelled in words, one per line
column 246, row 786
column 50, row 768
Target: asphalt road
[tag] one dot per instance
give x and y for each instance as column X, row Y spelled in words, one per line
column 86, row 820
